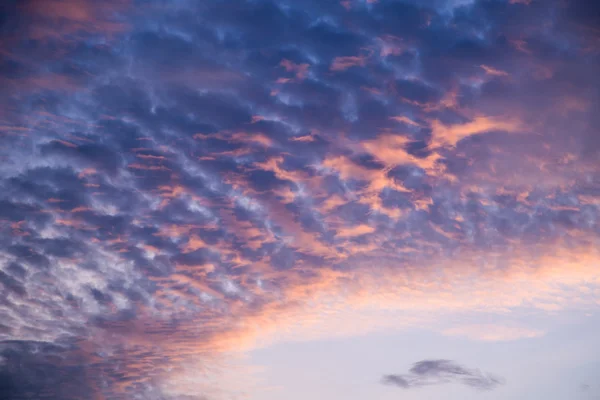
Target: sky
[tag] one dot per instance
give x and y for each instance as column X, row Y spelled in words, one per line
column 299, row 199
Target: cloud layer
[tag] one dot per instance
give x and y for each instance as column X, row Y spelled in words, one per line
column 178, row 181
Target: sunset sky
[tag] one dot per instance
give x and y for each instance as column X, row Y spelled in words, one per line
column 300, row 199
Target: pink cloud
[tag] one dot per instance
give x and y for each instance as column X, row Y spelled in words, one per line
column 343, row 63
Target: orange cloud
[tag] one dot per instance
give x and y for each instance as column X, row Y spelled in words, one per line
column 450, row 135
column 493, row 71
column 305, row 138
column 300, row 70
column 405, row 120
column 354, row 231
column 343, row 63
column 391, row 150
column 377, row 178
column 331, row 203
column 194, row 243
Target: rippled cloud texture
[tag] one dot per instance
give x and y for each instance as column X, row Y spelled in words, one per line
column 183, row 179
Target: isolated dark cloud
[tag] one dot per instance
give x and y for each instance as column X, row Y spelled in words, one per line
column 438, row 372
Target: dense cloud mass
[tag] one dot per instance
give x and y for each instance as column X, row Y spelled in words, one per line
column 175, row 175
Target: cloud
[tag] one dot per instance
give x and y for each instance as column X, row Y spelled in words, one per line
column 343, row 63
column 450, row 135
column 438, row 372
column 355, row 231
column 493, row 71
column 182, row 182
